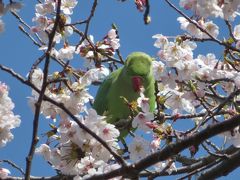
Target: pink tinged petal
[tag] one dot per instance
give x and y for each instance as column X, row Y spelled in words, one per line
column 105, row 131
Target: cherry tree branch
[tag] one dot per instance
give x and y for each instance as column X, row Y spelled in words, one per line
column 41, row 95
column 13, row 165
column 171, row 149
column 223, row 168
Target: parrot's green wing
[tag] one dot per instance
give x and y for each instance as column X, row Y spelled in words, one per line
column 101, row 99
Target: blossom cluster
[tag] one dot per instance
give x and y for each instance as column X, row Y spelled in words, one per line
column 44, row 20
column 226, row 9
column 8, row 120
column 194, row 31
column 74, row 96
column 11, row 6
column 77, row 152
column 181, row 68
column 144, row 123
column 185, row 79
column 101, row 49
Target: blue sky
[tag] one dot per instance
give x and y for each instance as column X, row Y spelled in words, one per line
column 19, row 53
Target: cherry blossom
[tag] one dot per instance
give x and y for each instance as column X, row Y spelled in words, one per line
column 97, row 74
column 74, row 100
column 139, row 148
column 189, row 27
column 108, row 131
column 214, row 8
column 113, row 38
column 161, row 40
column 45, row 8
column 209, row 8
column 45, row 151
column 209, row 26
column 107, row 46
column 66, row 52
column 236, row 32
column 77, row 152
column 8, row 120
column 142, row 120
column 68, row 5
column 158, row 69
column 37, row 77
column 174, row 53
column 44, row 22
column 4, row 173
column 143, row 103
column 178, row 103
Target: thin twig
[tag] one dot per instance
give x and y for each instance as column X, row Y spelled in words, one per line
column 85, row 34
column 29, row 36
column 213, row 153
column 214, row 146
column 90, row 16
column 13, row 165
column 199, row 170
column 25, row 24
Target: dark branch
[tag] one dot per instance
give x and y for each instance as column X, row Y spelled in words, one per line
column 223, row 168
column 41, row 95
column 173, row 149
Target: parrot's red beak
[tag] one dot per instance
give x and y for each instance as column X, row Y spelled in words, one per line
column 137, row 83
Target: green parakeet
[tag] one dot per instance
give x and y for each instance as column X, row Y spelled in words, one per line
column 125, row 82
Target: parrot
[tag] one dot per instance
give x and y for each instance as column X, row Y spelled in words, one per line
column 126, row 82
